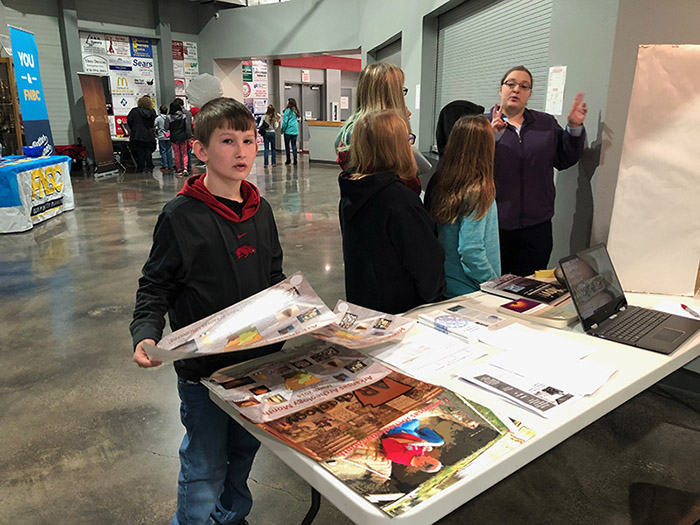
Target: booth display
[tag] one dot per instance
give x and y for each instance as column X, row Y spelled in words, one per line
column 10, row 128
column 33, row 190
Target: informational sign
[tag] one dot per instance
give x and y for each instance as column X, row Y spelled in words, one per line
column 344, row 102
column 96, row 64
column 555, row 90
column 127, row 62
column 35, row 117
column 305, row 75
column 141, row 47
column 247, row 70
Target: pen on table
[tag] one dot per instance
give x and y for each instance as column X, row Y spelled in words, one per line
column 690, row 311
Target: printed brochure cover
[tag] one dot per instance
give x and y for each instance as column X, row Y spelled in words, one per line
column 317, row 372
column 425, row 452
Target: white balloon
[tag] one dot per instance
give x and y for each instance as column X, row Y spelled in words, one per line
column 203, row 88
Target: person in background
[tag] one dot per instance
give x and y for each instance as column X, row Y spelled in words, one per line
column 529, row 145
column 393, row 260
column 141, row 136
column 380, row 86
column 192, row 113
column 180, row 125
column 273, row 121
column 163, row 136
column 214, row 244
column 290, row 129
column 461, row 200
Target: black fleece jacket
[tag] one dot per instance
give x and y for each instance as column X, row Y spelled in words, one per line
column 393, row 260
column 202, row 262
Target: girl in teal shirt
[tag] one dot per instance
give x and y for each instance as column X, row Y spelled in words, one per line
column 461, row 200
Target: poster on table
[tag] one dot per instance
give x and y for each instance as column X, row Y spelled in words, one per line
column 653, row 240
column 35, row 117
column 34, row 190
column 98, row 122
column 129, row 64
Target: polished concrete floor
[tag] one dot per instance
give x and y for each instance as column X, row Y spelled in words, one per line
column 86, row 437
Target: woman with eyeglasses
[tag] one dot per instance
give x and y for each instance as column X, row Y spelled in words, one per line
column 380, row 86
column 529, row 145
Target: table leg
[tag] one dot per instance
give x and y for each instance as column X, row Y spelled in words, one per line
column 313, row 510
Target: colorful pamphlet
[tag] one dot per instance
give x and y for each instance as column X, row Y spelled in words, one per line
column 515, row 287
column 559, row 316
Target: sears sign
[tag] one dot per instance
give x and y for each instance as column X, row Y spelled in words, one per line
column 142, row 67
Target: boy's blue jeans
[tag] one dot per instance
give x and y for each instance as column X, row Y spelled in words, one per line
column 166, row 154
column 215, row 459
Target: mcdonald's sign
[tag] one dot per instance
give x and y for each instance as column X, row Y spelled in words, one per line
column 122, row 82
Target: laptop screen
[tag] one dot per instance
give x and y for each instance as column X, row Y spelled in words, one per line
column 593, row 284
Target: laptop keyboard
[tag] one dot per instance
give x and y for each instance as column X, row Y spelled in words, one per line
column 635, row 325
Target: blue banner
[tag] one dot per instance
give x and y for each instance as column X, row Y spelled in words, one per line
column 25, row 55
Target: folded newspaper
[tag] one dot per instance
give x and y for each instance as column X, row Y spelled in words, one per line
column 281, row 312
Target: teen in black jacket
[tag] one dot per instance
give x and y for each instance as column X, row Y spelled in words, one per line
column 393, row 260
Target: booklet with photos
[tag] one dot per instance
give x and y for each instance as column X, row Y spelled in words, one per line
column 425, row 452
column 515, row 287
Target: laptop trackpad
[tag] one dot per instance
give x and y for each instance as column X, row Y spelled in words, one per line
column 668, row 335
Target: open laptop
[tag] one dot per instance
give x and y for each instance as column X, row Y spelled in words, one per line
column 604, row 312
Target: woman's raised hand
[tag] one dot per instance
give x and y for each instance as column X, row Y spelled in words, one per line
column 498, row 124
column 578, row 111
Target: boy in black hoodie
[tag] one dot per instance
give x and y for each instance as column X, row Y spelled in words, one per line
column 214, row 244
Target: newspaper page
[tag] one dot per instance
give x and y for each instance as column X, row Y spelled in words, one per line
column 425, row 452
column 276, row 389
column 280, row 312
column 357, row 327
column 538, row 396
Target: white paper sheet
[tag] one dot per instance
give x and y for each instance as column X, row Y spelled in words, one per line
column 426, row 353
column 543, row 344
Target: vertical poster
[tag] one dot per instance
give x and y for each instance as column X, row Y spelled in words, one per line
column 185, row 66
column 655, row 221
column 98, row 122
column 35, row 117
column 258, row 88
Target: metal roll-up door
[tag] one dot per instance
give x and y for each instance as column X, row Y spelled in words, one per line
column 389, row 53
column 480, row 40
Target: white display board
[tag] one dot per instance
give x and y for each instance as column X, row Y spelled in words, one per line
column 654, row 238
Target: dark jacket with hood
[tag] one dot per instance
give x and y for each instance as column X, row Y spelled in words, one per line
column 524, row 168
column 206, row 257
column 141, row 122
column 393, row 260
column 180, row 125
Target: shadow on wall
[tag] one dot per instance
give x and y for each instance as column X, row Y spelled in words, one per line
column 580, row 238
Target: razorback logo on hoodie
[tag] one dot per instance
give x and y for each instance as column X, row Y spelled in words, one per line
column 242, row 252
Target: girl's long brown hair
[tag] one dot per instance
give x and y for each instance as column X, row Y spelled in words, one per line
column 464, row 179
column 380, row 144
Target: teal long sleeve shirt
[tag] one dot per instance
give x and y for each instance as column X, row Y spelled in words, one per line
column 472, row 253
